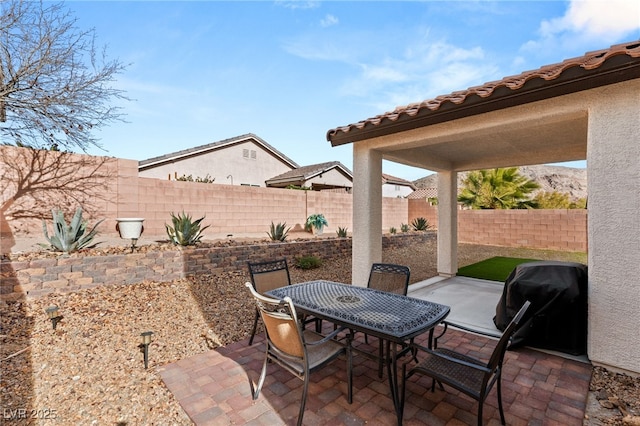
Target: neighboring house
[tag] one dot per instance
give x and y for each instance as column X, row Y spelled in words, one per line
column 243, row 160
column 425, row 193
column 396, row 187
column 319, row 177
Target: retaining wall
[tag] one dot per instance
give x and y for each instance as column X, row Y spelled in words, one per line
column 72, row 272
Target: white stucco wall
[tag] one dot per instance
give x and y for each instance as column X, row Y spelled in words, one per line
column 331, row 177
column 247, row 162
column 395, row 191
column 614, row 227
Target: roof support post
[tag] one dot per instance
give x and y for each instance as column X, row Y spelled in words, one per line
column 367, row 212
column 447, row 223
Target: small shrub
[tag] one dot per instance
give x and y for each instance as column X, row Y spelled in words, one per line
column 71, row 237
column 393, row 230
column 206, row 179
column 342, row 232
column 316, row 221
column 308, row 262
column 185, row 231
column 404, row 227
column 420, row 224
column 278, row 232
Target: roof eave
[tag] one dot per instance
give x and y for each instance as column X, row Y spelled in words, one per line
column 614, row 71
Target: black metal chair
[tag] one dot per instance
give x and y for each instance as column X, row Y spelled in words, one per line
column 392, row 279
column 269, row 275
column 469, row 375
column 298, row 350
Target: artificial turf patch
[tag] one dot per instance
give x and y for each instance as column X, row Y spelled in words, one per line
column 494, row 269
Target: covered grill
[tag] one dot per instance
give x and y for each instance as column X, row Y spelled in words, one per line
column 557, row 318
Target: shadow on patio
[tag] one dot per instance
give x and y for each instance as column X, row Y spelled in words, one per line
column 538, row 388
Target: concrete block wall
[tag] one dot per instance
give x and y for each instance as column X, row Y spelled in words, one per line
column 543, row 229
column 241, row 210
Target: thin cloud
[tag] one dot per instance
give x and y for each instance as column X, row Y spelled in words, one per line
column 586, row 21
column 329, row 21
column 297, row 4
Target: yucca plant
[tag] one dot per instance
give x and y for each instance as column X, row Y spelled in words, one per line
column 71, row 237
column 342, row 232
column 420, row 224
column 404, row 227
column 278, row 232
column 185, row 231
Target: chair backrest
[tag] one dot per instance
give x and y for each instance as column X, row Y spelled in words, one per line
column 281, row 323
column 389, row 277
column 269, row 275
column 498, row 352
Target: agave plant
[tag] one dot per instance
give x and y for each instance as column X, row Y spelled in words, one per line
column 278, row 232
column 185, row 231
column 342, row 232
column 71, row 237
column 420, row 224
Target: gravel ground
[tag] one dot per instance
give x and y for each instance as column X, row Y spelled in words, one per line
column 90, row 369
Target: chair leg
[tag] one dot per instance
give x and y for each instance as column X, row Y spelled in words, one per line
column 380, row 357
column 480, row 405
column 256, row 392
column 349, row 368
column 255, row 327
column 502, row 421
column 305, row 389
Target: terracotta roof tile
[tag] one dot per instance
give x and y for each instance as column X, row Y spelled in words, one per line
column 589, row 61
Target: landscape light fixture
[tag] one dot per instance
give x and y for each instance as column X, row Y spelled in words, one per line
column 54, row 315
column 146, row 341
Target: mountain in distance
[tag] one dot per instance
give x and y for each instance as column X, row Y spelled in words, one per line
column 570, row 180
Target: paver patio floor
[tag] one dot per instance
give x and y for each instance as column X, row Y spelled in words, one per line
column 213, row 388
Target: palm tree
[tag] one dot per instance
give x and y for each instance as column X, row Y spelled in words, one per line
column 500, row 188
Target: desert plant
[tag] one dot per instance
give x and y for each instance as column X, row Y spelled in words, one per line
column 420, row 224
column 185, row 231
column 393, row 230
column 278, row 232
column 72, row 237
column 342, row 232
column 308, row 262
column 316, row 221
column 404, row 227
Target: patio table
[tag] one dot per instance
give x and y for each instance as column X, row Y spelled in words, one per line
column 391, row 317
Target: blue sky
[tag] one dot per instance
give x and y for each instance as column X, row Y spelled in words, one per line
column 288, row 71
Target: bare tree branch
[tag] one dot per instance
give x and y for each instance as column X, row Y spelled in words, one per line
column 55, row 87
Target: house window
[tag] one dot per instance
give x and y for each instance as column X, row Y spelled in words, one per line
column 245, row 153
column 253, row 154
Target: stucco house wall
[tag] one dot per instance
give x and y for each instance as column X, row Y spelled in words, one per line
column 331, row 177
column 394, row 190
column 245, row 162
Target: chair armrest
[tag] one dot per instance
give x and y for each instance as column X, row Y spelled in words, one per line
column 328, row 337
column 458, row 361
column 470, row 330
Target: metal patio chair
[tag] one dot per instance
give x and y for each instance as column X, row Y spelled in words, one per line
column 392, row 279
column 469, row 375
column 296, row 349
column 269, row 275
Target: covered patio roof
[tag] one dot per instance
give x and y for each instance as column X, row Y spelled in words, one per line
column 582, row 108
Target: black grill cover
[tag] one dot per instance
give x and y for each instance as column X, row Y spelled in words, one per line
column 557, row 317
